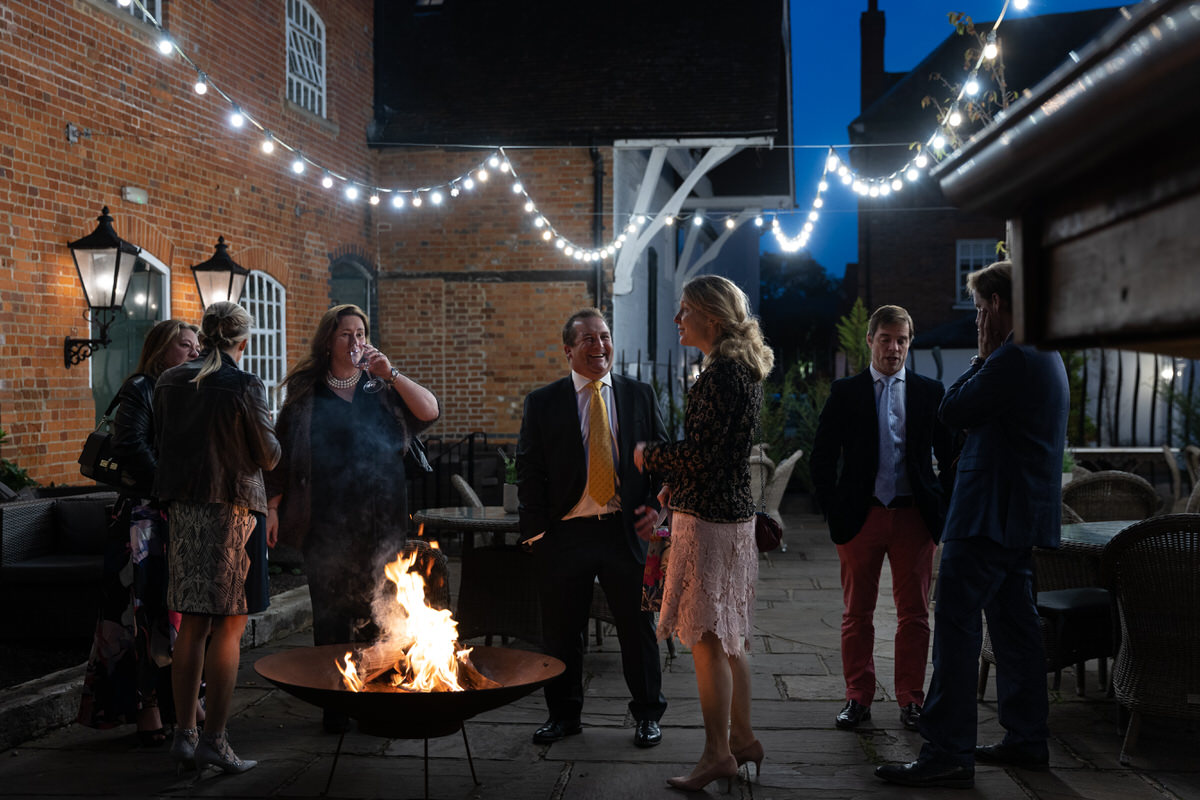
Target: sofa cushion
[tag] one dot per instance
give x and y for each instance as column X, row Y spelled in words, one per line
column 61, row 570
column 82, row 523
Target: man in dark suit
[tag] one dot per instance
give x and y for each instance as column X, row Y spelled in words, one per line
column 1013, row 402
column 583, row 506
column 882, row 426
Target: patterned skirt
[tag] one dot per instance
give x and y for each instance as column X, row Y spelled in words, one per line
column 710, row 580
column 208, row 559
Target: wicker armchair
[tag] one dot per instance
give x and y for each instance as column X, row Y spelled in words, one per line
column 1112, row 494
column 498, row 595
column 465, row 491
column 1193, row 502
column 1153, row 569
column 1069, row 516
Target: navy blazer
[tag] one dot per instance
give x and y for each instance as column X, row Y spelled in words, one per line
column 1014, row 408
column 848, row 432
column 552, row 462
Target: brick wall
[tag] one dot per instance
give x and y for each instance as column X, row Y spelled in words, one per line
column 77, row 61
column 471, row 301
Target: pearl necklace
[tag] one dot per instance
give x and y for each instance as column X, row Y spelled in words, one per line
column 341, row 383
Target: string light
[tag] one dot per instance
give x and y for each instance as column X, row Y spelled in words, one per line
column 874, row 187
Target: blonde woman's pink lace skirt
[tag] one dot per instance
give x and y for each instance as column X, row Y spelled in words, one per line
column 710, row 581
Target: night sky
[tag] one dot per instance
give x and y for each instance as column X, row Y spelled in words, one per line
column 825, row 56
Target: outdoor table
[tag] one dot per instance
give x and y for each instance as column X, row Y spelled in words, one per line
column 1126, row 459
column 1077, row 560
column 467, row 521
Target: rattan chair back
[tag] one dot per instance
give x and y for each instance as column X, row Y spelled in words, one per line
column 469, row 498
column 1112, row 495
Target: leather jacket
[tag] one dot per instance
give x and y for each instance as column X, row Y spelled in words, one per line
column 214, row 438
column 133, row 435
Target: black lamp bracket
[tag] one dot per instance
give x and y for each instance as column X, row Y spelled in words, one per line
column 76, row 351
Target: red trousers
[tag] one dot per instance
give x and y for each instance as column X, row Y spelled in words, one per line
column 902, row 536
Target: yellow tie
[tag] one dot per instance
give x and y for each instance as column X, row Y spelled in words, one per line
column 600, row 458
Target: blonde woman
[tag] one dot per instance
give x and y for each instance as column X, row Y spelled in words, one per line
column 708, row 594
column 215, row 436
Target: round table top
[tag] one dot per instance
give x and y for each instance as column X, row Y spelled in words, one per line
column 466, row 518
column 1092, row 536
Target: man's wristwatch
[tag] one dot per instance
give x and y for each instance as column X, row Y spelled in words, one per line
column 976, row 360
column 395, row 374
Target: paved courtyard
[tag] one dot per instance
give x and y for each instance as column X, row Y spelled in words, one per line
column 797, row 692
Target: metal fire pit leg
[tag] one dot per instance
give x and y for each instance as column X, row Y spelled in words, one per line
column 336, row 753
column 470, row 761
column 426, row 769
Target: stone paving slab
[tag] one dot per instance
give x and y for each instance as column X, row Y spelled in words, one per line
column 797, row 690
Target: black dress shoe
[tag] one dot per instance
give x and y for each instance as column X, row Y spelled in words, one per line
column 1011, row 756
column 554, row 730
column 910, row 717
column 851, row 714
column 927, row 773
column 647, row 733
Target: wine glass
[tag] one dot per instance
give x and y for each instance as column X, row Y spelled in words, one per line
column 362, row 359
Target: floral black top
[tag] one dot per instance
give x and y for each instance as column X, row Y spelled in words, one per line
column 709, row 470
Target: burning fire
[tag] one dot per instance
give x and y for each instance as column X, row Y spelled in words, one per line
column 421, row 646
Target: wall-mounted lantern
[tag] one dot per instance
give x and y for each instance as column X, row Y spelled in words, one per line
column 220, row 277
column 104, row 263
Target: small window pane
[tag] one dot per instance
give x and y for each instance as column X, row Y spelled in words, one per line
column 153, row 10
column 305, row 57
column 973, row 254
column 263, row 297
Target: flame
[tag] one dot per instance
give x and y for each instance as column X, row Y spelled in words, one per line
column 424, row 638
column 350, row 674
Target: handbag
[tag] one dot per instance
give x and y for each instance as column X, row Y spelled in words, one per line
column 416, row 459
column 98, row 461
column 767, row 532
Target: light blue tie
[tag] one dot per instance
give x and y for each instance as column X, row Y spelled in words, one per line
column 885, row 478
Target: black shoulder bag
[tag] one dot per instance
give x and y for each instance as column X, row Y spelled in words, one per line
column 98, row 461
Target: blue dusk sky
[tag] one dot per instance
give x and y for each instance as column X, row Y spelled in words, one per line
column 825, row 89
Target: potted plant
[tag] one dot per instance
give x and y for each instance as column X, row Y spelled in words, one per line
column 510, row 482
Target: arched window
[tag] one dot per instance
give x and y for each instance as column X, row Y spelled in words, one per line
column 147, row 302
column 305, row 57
column 263, row 297
column 352, row 280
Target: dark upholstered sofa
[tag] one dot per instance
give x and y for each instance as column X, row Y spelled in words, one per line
column 51, row 565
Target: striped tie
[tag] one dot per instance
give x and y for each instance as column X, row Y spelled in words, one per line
column 600, row 458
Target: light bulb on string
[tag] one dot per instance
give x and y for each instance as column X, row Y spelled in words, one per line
column 298, row 165
column 236, row 118
column 327, row 181
column 454, row 192
column 436, row 198
column 517, row 188
column 397, row 200
column 846, row 179
column 468, row 183
column 884, row 190
column 990, row 51
column 813, row 216
column 698, row 219
column 897, row 185
column 818, row 202
column 268, row 143
column 351, row 192
column 972, row 87
column 529, row 206
column 494, row 162
column 201, row 85
column 416, row 201
column 955, row 119
column 670, row 220
column 165, row 45
column 938, row 142
column 540, row 222
column 560, row 243
column 373, row 199
column 729, row 223
column 832, row 163
column 568, row 250
column 912, row 174
column 482, row 175
column 124, row 3
column 505, row 167
column 547, row 235
column 758, row 221
column 920, row 161
column 1020, row 5
column 822, row 186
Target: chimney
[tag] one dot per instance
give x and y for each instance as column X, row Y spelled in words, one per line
column 871, row 29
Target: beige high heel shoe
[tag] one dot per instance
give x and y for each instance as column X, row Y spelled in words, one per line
column 183, row 748
column 751, row 753
column 213, row 750
column 726, row 769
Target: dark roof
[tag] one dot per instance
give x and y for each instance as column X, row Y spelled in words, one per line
column 1032, row 47
column 562, row 72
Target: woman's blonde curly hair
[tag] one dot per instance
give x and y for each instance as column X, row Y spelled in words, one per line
column 739, row 335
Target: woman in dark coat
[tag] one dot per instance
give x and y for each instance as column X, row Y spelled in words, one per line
column 215, row 436
column 339, row 491
column 129, row 671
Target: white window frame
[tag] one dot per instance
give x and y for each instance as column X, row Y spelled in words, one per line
column 970, row 255
column 306, row 57
column 153, row 9
column 266, row 355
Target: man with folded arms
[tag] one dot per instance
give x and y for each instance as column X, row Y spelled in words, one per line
column 1013, row 403
column 882, row 426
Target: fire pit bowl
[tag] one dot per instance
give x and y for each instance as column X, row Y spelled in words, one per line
column 310, row 673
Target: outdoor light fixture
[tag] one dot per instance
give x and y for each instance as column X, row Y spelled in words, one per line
column 104, row 262
column 220, row 278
